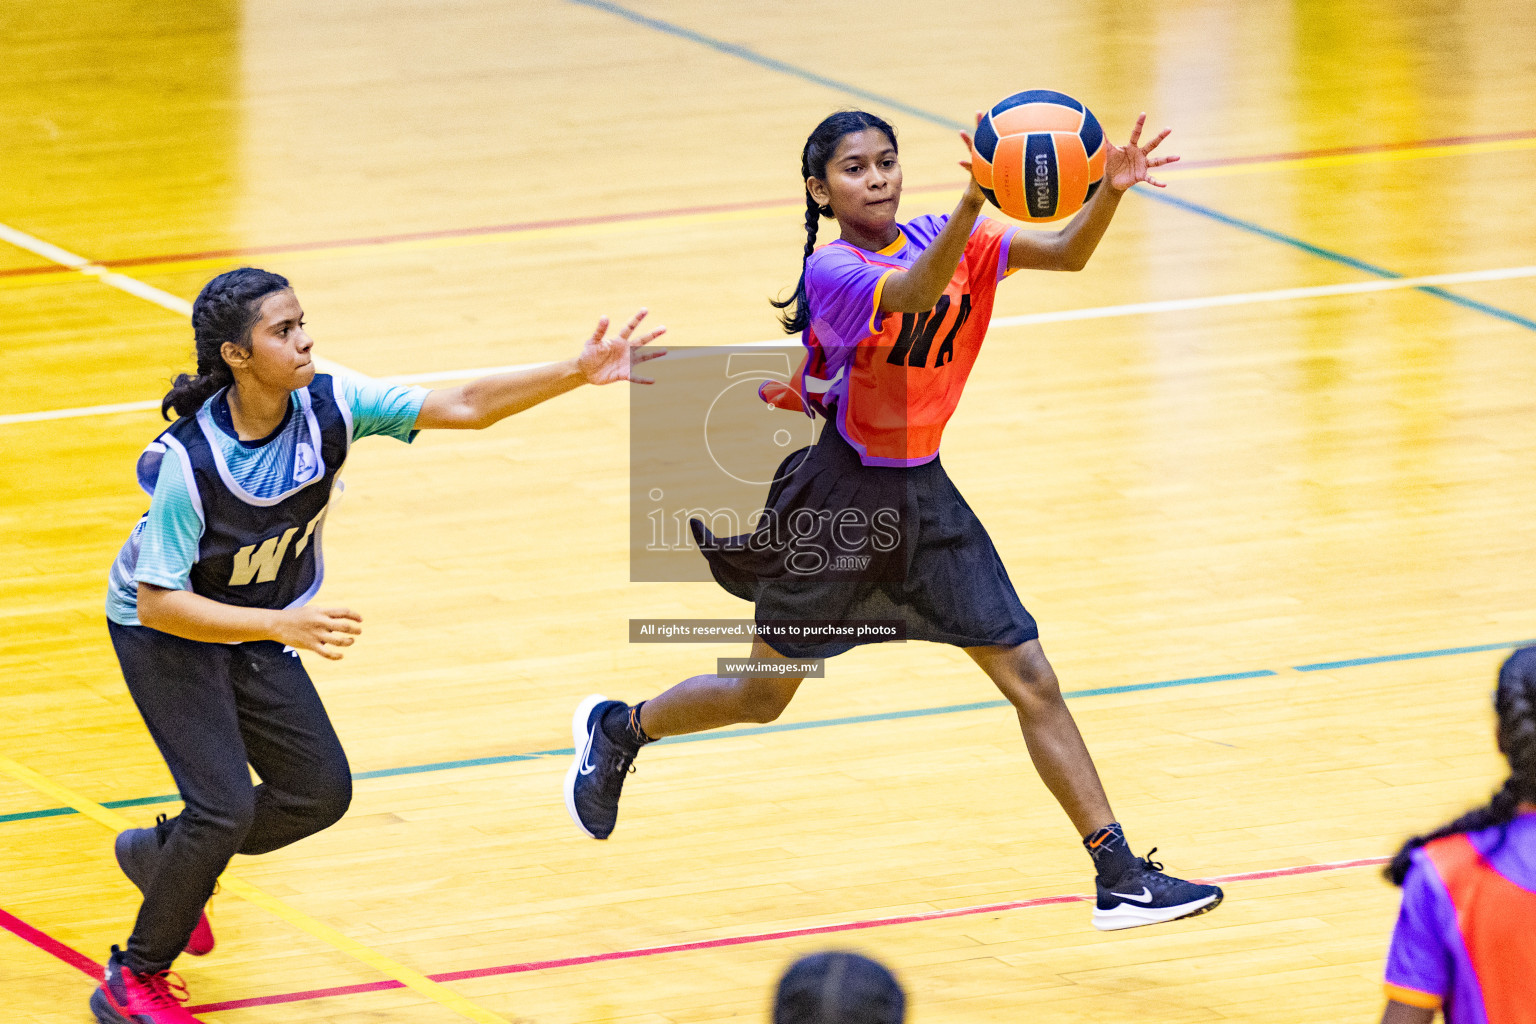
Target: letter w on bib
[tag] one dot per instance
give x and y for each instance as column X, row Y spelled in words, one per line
column 261, row 561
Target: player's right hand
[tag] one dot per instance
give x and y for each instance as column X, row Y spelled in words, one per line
column 605, row 360
column 973, row 188
column 319, row 629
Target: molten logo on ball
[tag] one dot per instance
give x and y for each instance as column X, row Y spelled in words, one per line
column 1042, row 184
column 1038, row 155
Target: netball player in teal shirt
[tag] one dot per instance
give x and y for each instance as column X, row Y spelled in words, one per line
column 208, row 600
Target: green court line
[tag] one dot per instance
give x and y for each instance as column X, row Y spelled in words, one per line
column 825, row 723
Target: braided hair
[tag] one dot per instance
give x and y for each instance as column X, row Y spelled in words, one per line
column 819, row 148
column 838, row 988
column 226, row 310
column 1515, row 702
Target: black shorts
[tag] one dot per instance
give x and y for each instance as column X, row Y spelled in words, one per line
column 844, row 542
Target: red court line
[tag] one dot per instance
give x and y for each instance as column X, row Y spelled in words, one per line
column 48, row 944
column 1379, row 147
column 419, row 236
column 743, row 940
column 297, row 997
column 41, row 268
column 758, row 204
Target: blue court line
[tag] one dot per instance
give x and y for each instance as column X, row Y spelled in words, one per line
column 438, row 766
column 762, row 60
column 1336, row 257
column 1133, row 687
column 54, row 812
column 722, row 734
column 822, row 723
column 794, row 71
column 1323, row 666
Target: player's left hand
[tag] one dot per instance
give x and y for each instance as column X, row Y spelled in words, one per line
column 605, row 360
column 1126, row 165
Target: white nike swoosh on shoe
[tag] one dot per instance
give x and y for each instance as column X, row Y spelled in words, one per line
column 587, row 767
column 1144, row 897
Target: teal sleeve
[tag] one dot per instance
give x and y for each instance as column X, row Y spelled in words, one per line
column 172, row 531
column 380, row 408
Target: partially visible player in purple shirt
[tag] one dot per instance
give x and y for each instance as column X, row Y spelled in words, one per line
column 1465, row 942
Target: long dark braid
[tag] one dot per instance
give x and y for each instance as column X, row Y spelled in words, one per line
column 813, row 164
column 1515, row 702
column 226, row 310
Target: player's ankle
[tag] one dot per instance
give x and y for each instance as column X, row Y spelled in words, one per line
column 621, row 724
column 1111, row 854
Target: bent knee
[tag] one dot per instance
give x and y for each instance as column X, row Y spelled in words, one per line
column 1040, row 679
column 317, row 804
column 1031, row 684
column 764, row 700
column 329, row 801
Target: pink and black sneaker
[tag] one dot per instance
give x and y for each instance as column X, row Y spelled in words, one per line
column 128, row 998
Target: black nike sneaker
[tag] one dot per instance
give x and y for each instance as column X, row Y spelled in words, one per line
column 596, row 775
column 1144, row 895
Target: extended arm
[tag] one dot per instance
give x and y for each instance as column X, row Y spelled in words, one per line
column 480, row 403
column 1070, row 248
column 194, row 617
column 916, row 289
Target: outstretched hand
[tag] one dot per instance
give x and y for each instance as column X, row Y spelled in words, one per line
column 1126, row 165
column 605, row 360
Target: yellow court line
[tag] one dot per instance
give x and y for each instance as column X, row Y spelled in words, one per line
column 411, row 979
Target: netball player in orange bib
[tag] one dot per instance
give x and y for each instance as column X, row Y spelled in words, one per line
column 1465, row 941
column 893, row 316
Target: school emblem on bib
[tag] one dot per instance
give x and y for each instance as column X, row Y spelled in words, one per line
column 304, row 463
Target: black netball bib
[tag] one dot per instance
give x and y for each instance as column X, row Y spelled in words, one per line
column 261, row 552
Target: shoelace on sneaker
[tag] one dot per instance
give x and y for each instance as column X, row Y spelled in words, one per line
column 167, row 989
column 1149, row 863
column 616, row 769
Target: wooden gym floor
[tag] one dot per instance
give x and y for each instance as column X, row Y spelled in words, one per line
column 1249, row 455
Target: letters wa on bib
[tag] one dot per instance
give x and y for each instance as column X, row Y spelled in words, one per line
column 240, row 521
column 237, row 522
column 886, row 383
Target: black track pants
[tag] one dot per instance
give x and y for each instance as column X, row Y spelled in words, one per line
column 212, row 709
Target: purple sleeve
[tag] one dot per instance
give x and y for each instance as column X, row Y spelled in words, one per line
column 1420, row 962
column 921, row 231
column 1003, row 269
column 986, row 235
column 844, row 294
